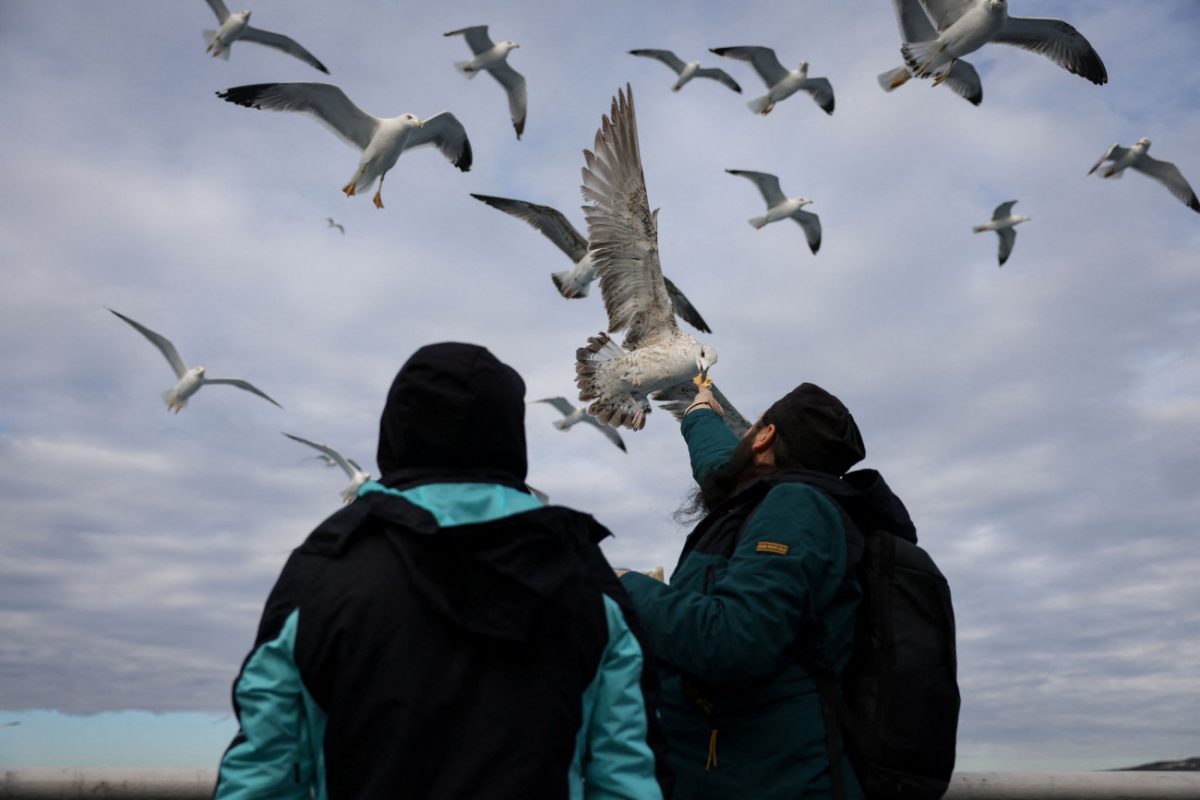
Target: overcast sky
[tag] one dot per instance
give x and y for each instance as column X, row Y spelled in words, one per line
column 1041, row 421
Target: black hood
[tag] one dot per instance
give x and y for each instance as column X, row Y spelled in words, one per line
column 454, row 412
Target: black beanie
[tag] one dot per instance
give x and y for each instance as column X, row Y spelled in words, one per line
column 454, row 410
column 816, row 429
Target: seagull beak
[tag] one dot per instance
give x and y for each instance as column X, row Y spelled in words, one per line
column 420, row 124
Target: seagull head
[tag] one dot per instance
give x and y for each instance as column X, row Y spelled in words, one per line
column 412, row 120
column 509, row 44
column 246, row 14
column 801, row 202
column 997, row 5
column 705, row 359
column 1143, row 143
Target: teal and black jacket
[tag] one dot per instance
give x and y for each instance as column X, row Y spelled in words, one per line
column 766, row 570
column 447, row 640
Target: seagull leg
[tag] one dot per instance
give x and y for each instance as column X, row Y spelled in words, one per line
column 378, row 198
column 768, row 108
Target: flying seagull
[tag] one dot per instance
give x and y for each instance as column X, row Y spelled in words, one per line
column 190, row 380
column 691, row 69
column 964, row 26
column 382, row 140
column 573, row 416
column 341, row 228
column 574, row 283
column 236, row 27
column 623, row 239
column 1164, row 172
column 679, row 397
column 353, row 471
column 915, row 26
column 493, row 58
column 780, row 207
column 780, row 81
column 1002, row 223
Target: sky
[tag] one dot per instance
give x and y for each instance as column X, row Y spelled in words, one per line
column 1041, row 421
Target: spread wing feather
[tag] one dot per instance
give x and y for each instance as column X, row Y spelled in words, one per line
column 1058, row 41
column 676, row 399
column 549, row 221
column 622, row 232
column 326, row 102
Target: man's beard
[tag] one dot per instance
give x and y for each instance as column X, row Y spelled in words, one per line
column 722, row 483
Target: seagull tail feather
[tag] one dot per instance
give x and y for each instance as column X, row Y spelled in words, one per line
column 758, row 104
column 567, row 288
column 894, row 79
column 920, row 56
column 465, row 68
column 609, row 408
column 979, row 229
column 758, row 222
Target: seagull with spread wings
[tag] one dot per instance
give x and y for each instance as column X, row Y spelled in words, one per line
column 964, row 26
column 190, row 379
column 1002, row 223
column 236, row 28
column 623, row 241
column 1166, row 173
column 573, row 415
column 332, row 224
column 382, row 140
column 355, row 473
column 574, row 283
column 687, row 71
column 781, row 82
column 493, row 58
column 781, row 207
column 915, row 26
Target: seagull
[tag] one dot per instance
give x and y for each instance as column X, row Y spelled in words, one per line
column 236, row 27
column 190, row 380
column 1002, row 223
column 382, row 140
column 967, row 25
column 573, row 415
column 623, row 241
column 780, row 207
column 574, row 283
column 780, row 82
column 331, row 456
column 691, row 69
column 494, row 58
column 677, row 399
column 1164, row 172
column 341, row 228
column 915, row 26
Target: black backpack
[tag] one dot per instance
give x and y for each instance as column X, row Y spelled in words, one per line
column 899, row 700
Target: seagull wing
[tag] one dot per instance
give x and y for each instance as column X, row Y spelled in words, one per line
column 161, row 342
column 763, row 59
column 665, row 56
column 718, row 74
column 1059, row 42
column 944, row 13
column 822, row 92
column 676, row 399
column 1004, row 210
column 477, row 38
column 811, row 224
column 561, row 403
column 1113, row 153
column 514, row 86
column 241, row 384
column 349, row 467
column 284, row 43
column 914, row 22
column 964, row 81
column 219, row 9
column 1169, row 176
column 622, row 232
column 1008, row 236
column 768, row 185
column 326, row 102
column 684, row 308
column 609, row 432
column 447, row 133
column 548, row 220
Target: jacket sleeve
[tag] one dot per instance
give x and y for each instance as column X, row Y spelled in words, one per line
column 620, row 764
column 709, row 441
column 271, row 754
column 787, row 566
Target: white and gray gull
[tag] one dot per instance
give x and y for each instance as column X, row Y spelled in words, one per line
column 574, row 283
column 493, row 58
column 235, row 27
column 381, row 139
column 915, row 26
column 964, row 26
column 781, row 207
column 623, row 242
column 1166, row 173
column 573, row 415
column 688, row 70
column 332, row 457
column 781, row 82
column 1002, row 223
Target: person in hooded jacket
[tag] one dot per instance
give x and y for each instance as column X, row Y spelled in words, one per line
column 765, row 582
column 446, row 635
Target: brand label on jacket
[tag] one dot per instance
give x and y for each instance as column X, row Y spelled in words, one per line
column 771, row 547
